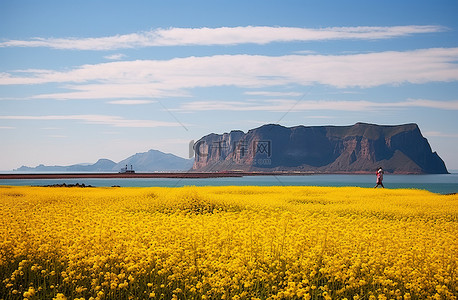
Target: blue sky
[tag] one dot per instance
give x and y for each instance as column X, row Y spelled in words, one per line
column 83, row 80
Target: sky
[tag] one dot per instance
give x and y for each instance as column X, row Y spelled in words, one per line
column 83, row 80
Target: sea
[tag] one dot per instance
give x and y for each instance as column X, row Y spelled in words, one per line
column 437, row 183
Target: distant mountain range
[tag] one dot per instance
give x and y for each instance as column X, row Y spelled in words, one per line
column 151, row 161
column 359, row 148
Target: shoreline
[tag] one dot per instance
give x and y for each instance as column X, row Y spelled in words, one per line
column 115, row 175
column 171, row 175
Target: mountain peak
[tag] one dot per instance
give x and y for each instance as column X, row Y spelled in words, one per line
column 150, row 161
column 155, row 161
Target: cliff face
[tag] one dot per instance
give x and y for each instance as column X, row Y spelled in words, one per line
column 325, row 149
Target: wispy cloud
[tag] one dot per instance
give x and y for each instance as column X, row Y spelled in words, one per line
column 131, row 102
column 117, row 56
column 447, row 105
column 273, row 94
column 309, row 105
column 440, row 134
column 279, row 105
column 175, row 77
column 223, row 36
column 13, row 98
column 305, row 52
column 114, row 121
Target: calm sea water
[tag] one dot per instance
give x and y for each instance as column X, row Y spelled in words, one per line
column 443, row 183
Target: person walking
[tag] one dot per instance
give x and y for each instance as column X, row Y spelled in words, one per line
column 379, row 178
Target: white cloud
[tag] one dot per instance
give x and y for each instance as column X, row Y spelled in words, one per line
column 131, row 102
column 308, row 105
column 115, row 56
column 305, row 52
column 116, row 90
column 447, row 105
column 278, row 105
column 174, row 77
column 273, row 94
column 13, row 99
column 114, row 121
column 223, row 36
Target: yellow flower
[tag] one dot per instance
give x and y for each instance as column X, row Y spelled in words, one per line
column 30, row 292
column 228, row 242
column 60, row 296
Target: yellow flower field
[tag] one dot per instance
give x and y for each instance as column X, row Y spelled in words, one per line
column 227, row 243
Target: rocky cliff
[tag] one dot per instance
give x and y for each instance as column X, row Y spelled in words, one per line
column 324, row 149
